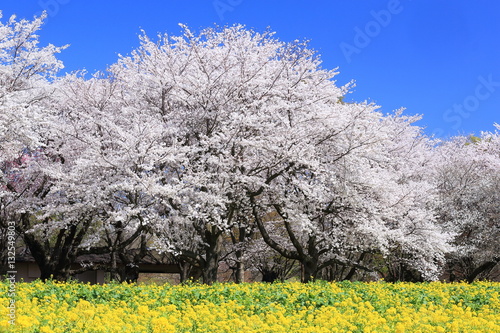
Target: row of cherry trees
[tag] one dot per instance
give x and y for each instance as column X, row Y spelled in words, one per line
column 230, row 145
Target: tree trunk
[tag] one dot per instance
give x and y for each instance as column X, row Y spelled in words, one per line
column 269, row 276
column 211, row 263
column 50, row 272
column 309, row 271
column 184, row 270
column 55, row 259
column 129, row 273
column 240, row 272
column 352, row 271
column 114, row 275
column 482, row 268
column 57, row 268
column 210, row 270
column 240, row 267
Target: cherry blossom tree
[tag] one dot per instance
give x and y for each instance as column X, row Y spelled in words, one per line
column 365, row 195
column 111, row 151
column 468, row 179
column 206, row 144
column 26, row 70
column 229, row 94
column 262, row 131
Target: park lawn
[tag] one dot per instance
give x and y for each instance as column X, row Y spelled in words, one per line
column 253, row 307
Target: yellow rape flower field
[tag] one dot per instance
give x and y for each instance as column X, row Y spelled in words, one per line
column 254, row 307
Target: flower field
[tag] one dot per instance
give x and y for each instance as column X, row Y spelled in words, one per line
column 283, row 307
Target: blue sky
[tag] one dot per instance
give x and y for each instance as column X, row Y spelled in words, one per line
column 434, row 57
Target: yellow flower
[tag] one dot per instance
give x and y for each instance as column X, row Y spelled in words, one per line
column 290, row 307
column 162, row 325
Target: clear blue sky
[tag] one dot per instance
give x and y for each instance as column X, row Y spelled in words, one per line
column 438, row 58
